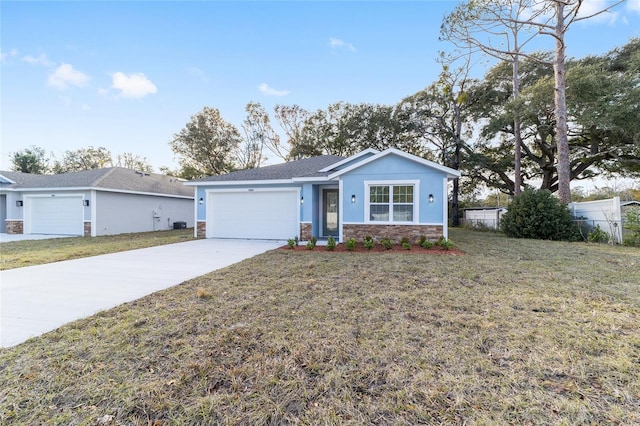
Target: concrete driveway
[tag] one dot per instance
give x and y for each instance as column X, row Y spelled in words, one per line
column 38, row 299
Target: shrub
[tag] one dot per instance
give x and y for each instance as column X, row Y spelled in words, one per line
column 312, row 244
column 445, row 244
column 386, row 243
column 406, row 246
column 421, row 240
column 291, row 243
column 368, row 243
column 539, row 215
column 426, row 244
column 350, row 244
column 404, row 240
column 331, row 243
column 632, row 223
column 597, row 235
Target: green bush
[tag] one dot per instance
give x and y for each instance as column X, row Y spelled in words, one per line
column 632, row 223
column 406, row 246
column 426, row 244
column 538, row 215
column 368, row 243
column 350, row 244
column 291, row 243
column 386, row 243
column 331, row 243
column 597, row 235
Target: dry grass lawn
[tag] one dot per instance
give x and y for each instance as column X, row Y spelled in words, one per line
column 17, row 254
column 513, row 332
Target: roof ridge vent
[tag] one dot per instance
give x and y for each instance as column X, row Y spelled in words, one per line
column 141, row 173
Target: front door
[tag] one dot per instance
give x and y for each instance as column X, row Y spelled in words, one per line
column 330, row 212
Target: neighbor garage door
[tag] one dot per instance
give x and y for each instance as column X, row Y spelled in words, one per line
column 54, row 215
column 256, row 214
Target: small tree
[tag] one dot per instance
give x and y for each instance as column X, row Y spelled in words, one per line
column 538, row 215
column 30, row 160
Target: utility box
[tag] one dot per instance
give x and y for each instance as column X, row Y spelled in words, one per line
column 179, row 225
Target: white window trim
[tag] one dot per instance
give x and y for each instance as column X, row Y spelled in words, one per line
column 416, row 200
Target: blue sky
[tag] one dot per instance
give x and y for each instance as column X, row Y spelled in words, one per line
column 128, row 75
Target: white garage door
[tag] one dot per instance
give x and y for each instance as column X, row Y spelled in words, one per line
column 54, row 215
column 271, row 215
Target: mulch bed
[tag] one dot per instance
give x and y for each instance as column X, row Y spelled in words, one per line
column 378, row 248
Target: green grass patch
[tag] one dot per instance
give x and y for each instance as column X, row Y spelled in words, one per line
column 18, row 254
column 513, row 332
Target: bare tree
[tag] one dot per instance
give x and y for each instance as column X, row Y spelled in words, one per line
column 258, row 135
column 497, row 28
column 476, row 23
column 292, row 120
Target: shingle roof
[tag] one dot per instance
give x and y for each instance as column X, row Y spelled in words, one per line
column 307, row 167
column 112, row 178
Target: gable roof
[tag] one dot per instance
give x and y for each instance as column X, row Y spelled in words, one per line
column 451, row 173
column 117, row 179
column 307, row 167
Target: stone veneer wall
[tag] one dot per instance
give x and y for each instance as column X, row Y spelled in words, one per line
column 87, row 229
column 394, row 232
column 306, row 232
column 201, row 229
column 14, row 227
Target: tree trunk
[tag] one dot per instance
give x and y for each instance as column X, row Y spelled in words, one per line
column 455, row 221
column 564, row 178
column 516, row 128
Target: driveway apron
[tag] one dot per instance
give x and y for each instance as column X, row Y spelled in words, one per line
column 38, row 299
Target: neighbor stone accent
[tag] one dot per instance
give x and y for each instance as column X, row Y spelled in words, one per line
column 201, row 227
column 393, row 232
column 87, row 229
column 306, row 232
column 14, row 227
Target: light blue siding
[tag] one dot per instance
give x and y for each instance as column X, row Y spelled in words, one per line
column 394, row 168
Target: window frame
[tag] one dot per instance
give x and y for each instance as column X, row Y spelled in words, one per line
column 390, row 184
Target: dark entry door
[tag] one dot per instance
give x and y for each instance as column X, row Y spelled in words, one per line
column 330, row 212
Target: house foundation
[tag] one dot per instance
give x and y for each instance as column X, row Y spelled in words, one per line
column 14, row 226
column 393, row 232
column 201, row 229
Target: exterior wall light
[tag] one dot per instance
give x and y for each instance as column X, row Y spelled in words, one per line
column 85, row 203
column 301, row 200
column 201, row 200
column 431, row 198
column 353, row 198
column 19, row 203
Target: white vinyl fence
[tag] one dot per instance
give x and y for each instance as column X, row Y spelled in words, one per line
column 605, row 213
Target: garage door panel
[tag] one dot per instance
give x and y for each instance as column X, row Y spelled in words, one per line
column 259, row 214
column 55, row 215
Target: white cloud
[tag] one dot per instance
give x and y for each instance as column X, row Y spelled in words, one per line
column 270, row 91
column 633, row 5
column 336, row 43
column 6, row 55
column 65, row 76
column 38, row 60
column 135, row 85
column 590, row 7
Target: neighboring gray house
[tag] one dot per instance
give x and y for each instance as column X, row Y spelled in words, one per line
column 107, row 201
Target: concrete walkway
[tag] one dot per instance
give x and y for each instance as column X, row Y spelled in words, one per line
column 41, row 298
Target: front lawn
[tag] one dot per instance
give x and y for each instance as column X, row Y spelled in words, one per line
column 17, row 254
column 512, row 332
